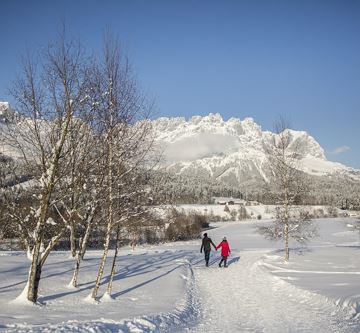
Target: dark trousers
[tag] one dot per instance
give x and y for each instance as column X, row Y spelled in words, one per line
column 223, row 260
column 207, row 257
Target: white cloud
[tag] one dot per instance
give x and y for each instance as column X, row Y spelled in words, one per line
column 200, row 146
column 340, row 150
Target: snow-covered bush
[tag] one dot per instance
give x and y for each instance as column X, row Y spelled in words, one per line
column 318, row 212
column 242, row 213
column 150, row 236
column 332, row 211
column 211, row 217
column 184, row 226
column 233, row 214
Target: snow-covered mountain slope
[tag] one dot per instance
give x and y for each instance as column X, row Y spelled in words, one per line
column 233, row 150
column 5, row 112
column 7, row 137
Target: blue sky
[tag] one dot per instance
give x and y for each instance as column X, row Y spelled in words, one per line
column 260, row 59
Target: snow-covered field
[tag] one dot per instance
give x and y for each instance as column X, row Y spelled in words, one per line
column 166, row 288
column 264, row 211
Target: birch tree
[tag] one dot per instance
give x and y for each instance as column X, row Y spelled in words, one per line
column 48, row 94
column 120, row 105
column 289, row 187
column 131, row 210
column 88, row 212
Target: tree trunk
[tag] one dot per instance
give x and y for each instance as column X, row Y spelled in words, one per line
column 72, row 238
column 110, row 217
column 35, row 268
column 103, row 261
column 286, row 212
column 82, row 249
column 84, row 242
column 51, row 245
column 113, row 267
column 286, row 234
column 38, row 260
column 35, row 274
column 37, row 280
column 76, row 271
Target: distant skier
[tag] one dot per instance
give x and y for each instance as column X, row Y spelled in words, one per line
column 225, row 251
column 206, row 245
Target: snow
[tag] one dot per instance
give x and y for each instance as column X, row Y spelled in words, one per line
column 3, row 107
column 22, row 298
column 253, row 210
column 317, row 166
column 167, row 288
column 210, row 146
column 209, row 143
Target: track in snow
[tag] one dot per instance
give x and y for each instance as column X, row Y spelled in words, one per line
column 246, row 298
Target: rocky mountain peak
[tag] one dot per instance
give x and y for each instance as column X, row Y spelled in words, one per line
column 234, row 149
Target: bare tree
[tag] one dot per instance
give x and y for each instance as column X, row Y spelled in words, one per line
column 88, row 204
column 289, row 187
column 130, row 207
column 120, row 107
column 47, row 103
column 82, row 133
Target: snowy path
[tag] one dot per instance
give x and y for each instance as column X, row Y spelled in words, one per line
column 245, row 298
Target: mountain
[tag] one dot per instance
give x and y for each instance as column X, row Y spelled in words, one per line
column 234, row 151
column 7, row 115
column 6, row 112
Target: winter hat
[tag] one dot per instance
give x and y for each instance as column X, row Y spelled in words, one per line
column 205, row 234
column 224, row 239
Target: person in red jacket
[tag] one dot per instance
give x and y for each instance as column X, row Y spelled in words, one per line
column 225, row 251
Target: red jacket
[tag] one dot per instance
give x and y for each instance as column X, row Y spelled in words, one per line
column 225, row 248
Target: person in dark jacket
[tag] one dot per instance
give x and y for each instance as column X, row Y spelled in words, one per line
column 206, row 246
column 225, row 251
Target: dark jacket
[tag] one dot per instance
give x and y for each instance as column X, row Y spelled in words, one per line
column 206, row 244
